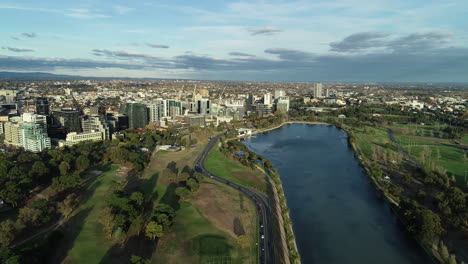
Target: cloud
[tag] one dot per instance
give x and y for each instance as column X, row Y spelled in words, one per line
column 157, row 46
column 15, row 38
column 263, row 31
column 17, row 49
column 84, row 13
column 122, row 10
column 290, row 54
column 240, row 54
column 415, row 42
column 81, row 13
column 29, row 35
column 359, row 41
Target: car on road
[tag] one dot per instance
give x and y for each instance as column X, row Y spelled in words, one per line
column 263, row 237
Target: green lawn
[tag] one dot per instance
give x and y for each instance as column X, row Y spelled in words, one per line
column 368, row 137
column 90, row 243
column 233, row 171
column 451, row 159
column 196, row 234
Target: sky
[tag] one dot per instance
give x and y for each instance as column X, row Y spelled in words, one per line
column 302, row 41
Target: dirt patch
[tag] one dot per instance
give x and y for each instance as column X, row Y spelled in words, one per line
column 122, row 171
column 223, row 207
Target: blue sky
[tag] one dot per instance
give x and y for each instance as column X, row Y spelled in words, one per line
column 344, row 40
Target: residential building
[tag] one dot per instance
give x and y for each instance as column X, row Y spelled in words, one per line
column 282, row 104
column 267, row 99
column 279, row 93
column 33, row 136
column 12, row 133
column 318, row 90
column 35, row 118
column 96, row 123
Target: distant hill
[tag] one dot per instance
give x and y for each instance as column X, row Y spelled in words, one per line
column 31, row 76
column 35, row 75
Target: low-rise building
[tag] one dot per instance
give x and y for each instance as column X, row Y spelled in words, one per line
column 75, row 138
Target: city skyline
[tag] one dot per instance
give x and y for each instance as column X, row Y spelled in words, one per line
column 345, row 40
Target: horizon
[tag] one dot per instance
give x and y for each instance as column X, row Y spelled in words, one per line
column 357, row 41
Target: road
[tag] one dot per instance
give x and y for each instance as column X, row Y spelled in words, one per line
column 260, row 200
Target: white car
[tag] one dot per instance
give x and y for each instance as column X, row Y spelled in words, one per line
column 263, row 237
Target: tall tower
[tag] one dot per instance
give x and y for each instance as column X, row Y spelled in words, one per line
column 42, row 106
column 318, row 90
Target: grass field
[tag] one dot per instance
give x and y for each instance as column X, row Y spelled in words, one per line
column 368, row 137
column 443, row 152
column 90, row 244
column 203, row 230
column 233, row 171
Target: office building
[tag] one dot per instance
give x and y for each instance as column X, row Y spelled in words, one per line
column 42, row 106
column 193, row 121
column 33, row 137
column 137, row 114
column 75, row 138
column 318, row 90
column 68, row 119
column 2, row 131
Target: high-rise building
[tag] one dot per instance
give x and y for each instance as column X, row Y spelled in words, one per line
column 262, row 110
column 327, row 93
column 68, row 119
column 137, row 114
column 279, row 93
column 267, row 100
column 12, row 133
column 249, row 100
column 2, row 131
column 96, row 123
column 33, row 137
column 42, row 106
column 282, row 104
column 204, row 107
column 318, row 90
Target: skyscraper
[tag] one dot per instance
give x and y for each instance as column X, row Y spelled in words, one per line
column 267, row 100
column 318, row 90
column 249, row 102
column 137, row 114
column 42, row 106
column 282, row 104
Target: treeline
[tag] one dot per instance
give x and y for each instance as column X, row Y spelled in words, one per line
column 24, row 175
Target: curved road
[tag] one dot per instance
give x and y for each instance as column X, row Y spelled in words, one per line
column 260, row 200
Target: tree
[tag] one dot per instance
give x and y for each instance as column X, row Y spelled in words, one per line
column 193, row 184
column 11, row 193
column 64, row 167
column 30, row 216
column 154, row 230
column 243, row 241
column 7, row 233
column 137, row 197
column 182, row 192
column 67, row 206
column 139, row 260
column 82, row 163
column 39, row 169
column 423, row 224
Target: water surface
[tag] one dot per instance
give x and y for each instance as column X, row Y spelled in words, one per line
column 336, row 215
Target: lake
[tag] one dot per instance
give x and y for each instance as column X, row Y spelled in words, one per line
column 336, row 214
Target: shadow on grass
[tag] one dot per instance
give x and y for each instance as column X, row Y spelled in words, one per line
column 170, row 197
column 147, row 186
column 135, row 245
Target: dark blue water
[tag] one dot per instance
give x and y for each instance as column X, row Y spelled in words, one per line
column 336, row 214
